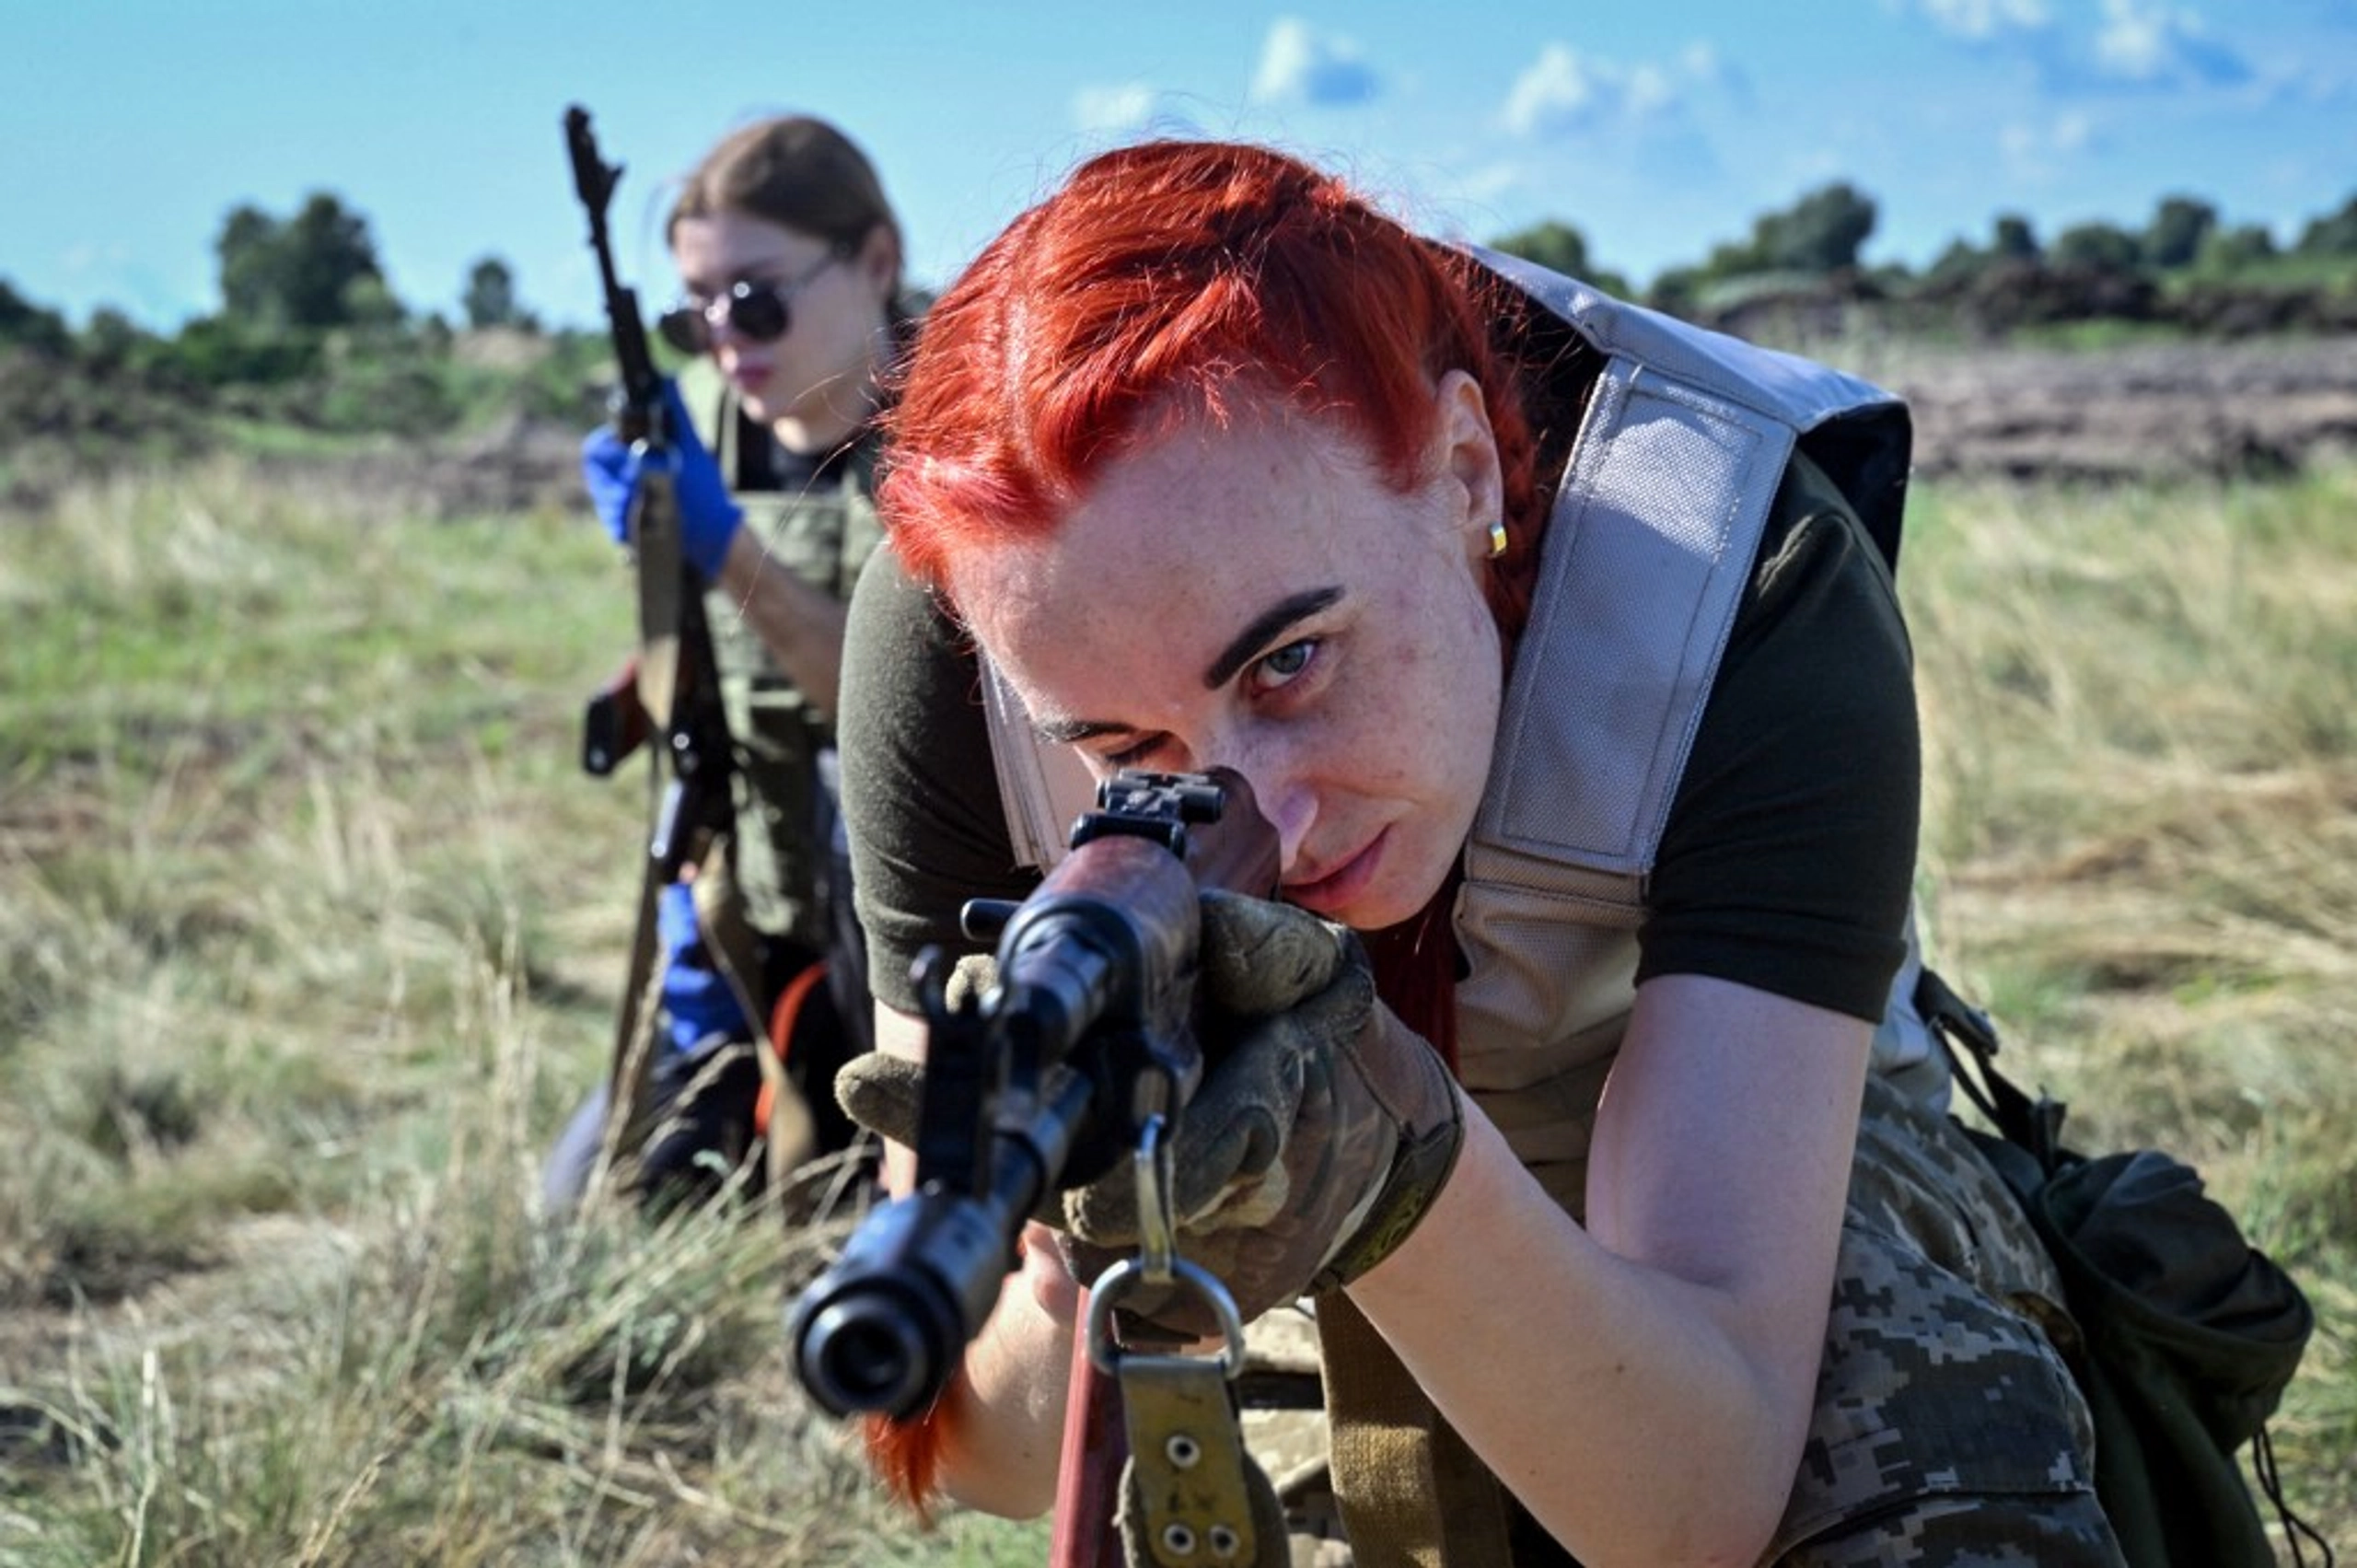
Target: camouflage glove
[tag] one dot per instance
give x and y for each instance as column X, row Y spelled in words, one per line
column 883, row 1094
column 886, row 1094
column 1320, row 1136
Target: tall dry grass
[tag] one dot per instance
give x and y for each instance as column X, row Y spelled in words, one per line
column 309, row 926
column 309, row 929
column 2141, row 709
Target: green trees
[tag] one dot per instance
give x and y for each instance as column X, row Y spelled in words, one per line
column 1563, row 249
column 2180, row 227
column 26, row 325
column 309, row 333
column 2013, row 239
column 1821, row 233
column 318, row 269
column 2097, row 247
column 490, row 299
column 2334, row 235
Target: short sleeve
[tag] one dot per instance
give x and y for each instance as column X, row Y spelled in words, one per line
column 1788, row 858
column 921, row 798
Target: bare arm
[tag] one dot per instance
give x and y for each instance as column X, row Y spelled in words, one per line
column 1643, row 1385
column 802, row 626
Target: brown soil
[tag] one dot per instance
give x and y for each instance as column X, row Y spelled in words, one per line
column 2219, row 409
column 2225, row 410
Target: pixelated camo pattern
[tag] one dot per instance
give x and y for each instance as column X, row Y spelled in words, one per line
column 1948, row 1431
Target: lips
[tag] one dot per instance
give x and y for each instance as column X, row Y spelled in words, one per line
column 1336, row 886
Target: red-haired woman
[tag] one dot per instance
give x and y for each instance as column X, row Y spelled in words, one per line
column 1558, row 640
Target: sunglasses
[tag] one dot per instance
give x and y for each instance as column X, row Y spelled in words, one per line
column 761, row 312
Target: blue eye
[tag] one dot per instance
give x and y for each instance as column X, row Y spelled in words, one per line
column 1286, row 664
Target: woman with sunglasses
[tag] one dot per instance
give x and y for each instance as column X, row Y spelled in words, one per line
column 789, row 262
column 1576, row 1073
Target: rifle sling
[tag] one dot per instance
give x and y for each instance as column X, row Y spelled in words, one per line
column 790, row 1135
column 1411, row 1494
column 662, row 589
column 662, row 597
column 1190, row 1494
column 632, row 1066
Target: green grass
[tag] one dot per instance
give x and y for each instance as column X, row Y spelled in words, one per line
column 2142, row 848
column 309, row 931
column 309, row 928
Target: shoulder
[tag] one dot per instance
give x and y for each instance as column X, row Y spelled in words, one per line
column 920, row 788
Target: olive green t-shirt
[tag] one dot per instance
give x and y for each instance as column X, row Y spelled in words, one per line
column 1785, row 865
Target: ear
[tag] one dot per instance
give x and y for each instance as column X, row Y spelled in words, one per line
column 879, row 260
column 1469, row 456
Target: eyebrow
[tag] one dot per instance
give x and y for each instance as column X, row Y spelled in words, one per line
column 1264, row 628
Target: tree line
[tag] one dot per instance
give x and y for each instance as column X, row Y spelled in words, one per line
column 310, row 334
column 2187, row 268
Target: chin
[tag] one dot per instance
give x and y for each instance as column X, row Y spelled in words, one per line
column 1378, row 908
column 1376, row 917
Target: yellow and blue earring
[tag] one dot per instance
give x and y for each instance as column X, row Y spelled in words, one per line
column 1497, row 539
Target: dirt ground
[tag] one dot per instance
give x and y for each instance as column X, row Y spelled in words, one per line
column 2218, row 410
column 2225, row 410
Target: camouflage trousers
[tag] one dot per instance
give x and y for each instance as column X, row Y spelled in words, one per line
column 1949, row 1432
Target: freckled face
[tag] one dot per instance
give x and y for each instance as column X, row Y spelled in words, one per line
column 1261, row 598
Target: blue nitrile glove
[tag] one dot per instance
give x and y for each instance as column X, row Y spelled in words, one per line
column 709, row 519
column 697, row 1001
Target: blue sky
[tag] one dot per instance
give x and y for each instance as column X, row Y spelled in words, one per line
column 129, row 128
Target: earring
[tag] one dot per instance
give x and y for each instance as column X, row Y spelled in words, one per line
column 1497, row 539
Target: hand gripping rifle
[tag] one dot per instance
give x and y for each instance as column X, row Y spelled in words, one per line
column 1083, row 1054
column 673, row 686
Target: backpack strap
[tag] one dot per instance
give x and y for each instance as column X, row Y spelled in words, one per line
column 2033, row 1125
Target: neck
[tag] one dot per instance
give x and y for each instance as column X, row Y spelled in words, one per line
column 829, row 416
column 824, row 424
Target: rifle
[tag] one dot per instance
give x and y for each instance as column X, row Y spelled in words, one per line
column 1083, row 1052
column 671, row 687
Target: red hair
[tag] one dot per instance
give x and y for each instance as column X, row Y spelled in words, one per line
column 1161, row 281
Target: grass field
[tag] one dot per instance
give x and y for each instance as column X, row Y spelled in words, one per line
column 309, row 928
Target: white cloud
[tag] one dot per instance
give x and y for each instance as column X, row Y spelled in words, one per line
column 1704, row 65
column 2127, row 44
column 87, row 258
column 1982, row 20
column 1563, row 93
column 1304, row 67
column 2035, row 148
column 1115, row 110
column 2159, row 45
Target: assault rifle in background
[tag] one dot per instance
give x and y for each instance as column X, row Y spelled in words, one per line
column 671, row 690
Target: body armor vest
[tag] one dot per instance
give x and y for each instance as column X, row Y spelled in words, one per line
column 1649, row 547
column 785, row 813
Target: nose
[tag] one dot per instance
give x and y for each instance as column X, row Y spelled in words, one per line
column 1284, row 798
